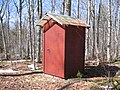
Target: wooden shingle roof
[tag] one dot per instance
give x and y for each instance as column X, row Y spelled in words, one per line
column 61, row 19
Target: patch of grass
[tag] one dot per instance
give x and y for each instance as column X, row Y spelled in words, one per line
column 79, row 74
column 2, row 62
column 117, row 62
column 102, row 82
column 116, row 84
column 39, row 69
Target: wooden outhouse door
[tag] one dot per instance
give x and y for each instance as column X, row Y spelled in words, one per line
column 54, row 40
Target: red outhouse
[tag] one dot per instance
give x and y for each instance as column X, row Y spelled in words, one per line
column 63, row 45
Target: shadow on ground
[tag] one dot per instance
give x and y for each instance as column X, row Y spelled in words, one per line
column 100, row 71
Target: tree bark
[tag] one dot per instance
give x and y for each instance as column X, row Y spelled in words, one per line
column 116, row 32
column 39, row 5
column 39, row 33
column 20, row 28
column 29, row 21
column 3, row 39
column 109, row 40
column 8, row 31
column 2, row 13
column 94, row 28
column 33, row 28
column 87, row 31
column 63, row 7
column 109, row 31
column 68, row 7
column 53, row 6
column 78, row 8
column 97, row 36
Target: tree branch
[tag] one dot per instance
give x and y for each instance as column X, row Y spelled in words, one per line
column 2, row 5
column 4, row 8
column 16, row 6
column 23, row 1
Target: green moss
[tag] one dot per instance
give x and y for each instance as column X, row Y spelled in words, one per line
column 79, row 75
column 102, row 82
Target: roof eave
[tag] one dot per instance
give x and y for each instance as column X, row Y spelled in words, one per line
column 48, row 16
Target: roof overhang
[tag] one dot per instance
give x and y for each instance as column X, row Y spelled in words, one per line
column 61, row 19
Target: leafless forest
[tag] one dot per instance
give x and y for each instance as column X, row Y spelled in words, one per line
column 20, row 38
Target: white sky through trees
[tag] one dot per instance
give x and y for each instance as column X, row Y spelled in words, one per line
column 47, row 8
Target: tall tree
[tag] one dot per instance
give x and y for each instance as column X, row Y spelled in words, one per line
column 109, row 39
column 87, row 31
column 63, row 7
column 30, row 29
column 33, row 29
column 68, row 7
column 53, row 2
column 116, row 48
column 39, row 5
column 78, row 8
column 39, row 32
column 97, row 33
column 94, row 26
column 8, row 29
column 119, row 33
column 19, row 11
column 2, row 13
column 109, row 31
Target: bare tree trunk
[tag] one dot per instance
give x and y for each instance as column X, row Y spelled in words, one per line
column 78, row 8
column 3, row 38
column 118, row 36
column 20, row 28
column 103, row 45
column 19, row 11
column 68, row 7
column 33, row 28
column 109, row 31
column 116, row 31
column 20, row 38
column 63, row 7
column 29, row 21
column 27, row 45
column 109, row 39
column 53, row 2
column 97, row 39
column 87, row 31
column 8, row 31
column 94, row 28
column 39, row 33
column 2, row 13
column 39, row 4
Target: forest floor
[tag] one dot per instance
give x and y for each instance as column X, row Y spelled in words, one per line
column 26, row 79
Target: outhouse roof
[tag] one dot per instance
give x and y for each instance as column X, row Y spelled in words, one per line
column 61, row 19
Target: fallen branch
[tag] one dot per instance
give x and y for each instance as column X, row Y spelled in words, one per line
column 19, row 73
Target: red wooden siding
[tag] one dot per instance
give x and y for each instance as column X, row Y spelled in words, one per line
column 54, row 46
column 74, row 50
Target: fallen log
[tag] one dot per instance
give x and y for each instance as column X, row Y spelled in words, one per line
column 18, row 73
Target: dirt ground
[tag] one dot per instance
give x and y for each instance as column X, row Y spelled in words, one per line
column 94, row 77
column 40, row 82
